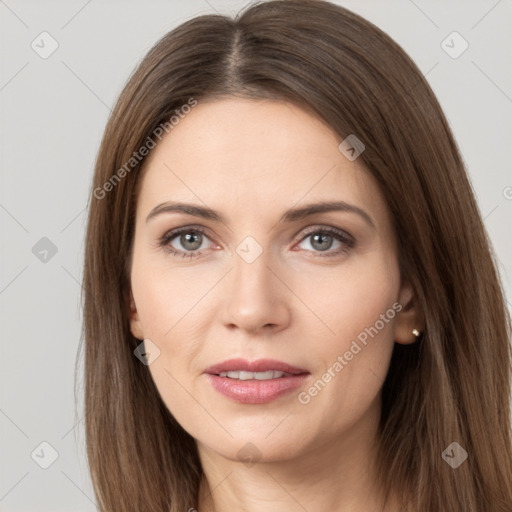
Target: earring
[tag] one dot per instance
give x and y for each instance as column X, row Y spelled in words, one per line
column 416, row 333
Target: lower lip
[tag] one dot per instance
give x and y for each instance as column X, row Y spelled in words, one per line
column 256, row 391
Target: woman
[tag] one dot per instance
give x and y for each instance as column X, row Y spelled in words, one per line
column 290, row 298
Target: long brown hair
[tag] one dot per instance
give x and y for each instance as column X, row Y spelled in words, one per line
column 453, row 386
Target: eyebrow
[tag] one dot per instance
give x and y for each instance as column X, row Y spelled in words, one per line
column 292, row 215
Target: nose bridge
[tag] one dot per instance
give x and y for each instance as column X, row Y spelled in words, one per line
column 251, row 274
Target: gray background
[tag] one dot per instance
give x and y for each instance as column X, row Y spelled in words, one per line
column 53, row 114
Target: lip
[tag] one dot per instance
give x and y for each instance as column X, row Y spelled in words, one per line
column 255, row 391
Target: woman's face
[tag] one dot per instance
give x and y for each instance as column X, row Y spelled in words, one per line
column 262, row 278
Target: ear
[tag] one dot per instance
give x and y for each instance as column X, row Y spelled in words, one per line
column 135, row 323
column 409, row 320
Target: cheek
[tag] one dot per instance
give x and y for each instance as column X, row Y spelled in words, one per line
column 166, row 298
column 170, row 313
column 172, row 306
column 366, row 312
column 351, row 297
column 357, row 302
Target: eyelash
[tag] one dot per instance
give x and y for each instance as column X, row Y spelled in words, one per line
column 347, row 240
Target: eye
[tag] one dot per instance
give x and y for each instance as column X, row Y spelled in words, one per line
column 190, row 238
column 322, row 239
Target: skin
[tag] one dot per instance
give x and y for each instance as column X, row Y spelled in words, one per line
column 250, row 161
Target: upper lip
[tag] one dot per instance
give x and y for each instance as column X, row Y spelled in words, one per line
column 260, row 365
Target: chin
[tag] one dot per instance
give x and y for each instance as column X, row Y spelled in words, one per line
column 259, row 444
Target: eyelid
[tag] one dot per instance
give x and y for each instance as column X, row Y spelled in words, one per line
column 171, row 234
column 327, row 229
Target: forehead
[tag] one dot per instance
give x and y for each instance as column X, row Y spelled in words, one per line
column 253, row 156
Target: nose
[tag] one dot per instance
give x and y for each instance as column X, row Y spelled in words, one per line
column 256, row 301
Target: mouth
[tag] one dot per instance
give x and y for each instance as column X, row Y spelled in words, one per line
column 261, row 369
column 255, row 382
column 243, row 375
